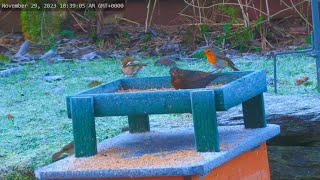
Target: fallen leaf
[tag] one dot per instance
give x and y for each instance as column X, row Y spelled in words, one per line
column 9, row 116
column 301, row 80
column 94, row 83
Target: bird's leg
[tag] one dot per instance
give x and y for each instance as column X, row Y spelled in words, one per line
column 221, row 70
column 128, row 76
column 214, row 71
column 217, row 71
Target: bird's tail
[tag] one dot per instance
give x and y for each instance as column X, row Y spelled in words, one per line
column 56, row 156
column 214, row 76
column 69, row 148
column 233, row 67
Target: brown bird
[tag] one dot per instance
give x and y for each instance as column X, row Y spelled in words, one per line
column 219, row 60
column 131, row 66
column 69, row 149
column 188, row 79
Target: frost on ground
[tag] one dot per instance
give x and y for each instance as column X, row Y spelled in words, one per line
column 33, row 119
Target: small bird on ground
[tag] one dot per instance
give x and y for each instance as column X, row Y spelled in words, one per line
column 219, row 60
column 131, row 66
column 69, row 149
column 188, row 79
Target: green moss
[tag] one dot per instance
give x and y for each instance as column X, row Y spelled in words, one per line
column 51, row 44
column 204, row 28
column 20, row 175
column 308, row 39
column 4, row 58
column 67, row 33
column 39, row 25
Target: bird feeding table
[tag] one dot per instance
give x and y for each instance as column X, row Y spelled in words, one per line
column 244, row 87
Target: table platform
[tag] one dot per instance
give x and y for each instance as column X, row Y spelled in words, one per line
column 168, row 154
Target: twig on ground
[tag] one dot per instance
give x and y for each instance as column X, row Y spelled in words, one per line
column 23, row 48
column 128, row 20
column 7, row 72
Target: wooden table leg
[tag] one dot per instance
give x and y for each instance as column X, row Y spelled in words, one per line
column 84, row 133
column 139, row 123
column 254, row 113
column 205, row 121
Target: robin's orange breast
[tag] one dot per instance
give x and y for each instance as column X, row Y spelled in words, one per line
column 211, row 58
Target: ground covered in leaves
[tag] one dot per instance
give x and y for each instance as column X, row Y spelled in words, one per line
column 33, row 118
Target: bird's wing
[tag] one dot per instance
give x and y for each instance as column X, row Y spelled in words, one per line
column 223, row 57
column 195, row 75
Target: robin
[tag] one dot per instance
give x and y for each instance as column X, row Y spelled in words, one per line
column 219, row 60
column 188, row 79
column 131, row 66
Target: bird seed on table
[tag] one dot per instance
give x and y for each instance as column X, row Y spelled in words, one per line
column 160, row 89
column 115, row 158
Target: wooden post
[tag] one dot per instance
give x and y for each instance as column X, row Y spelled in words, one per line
column 139, row 123
column 205, row 121
column 316, row 37
column 253, row 112
column 84, row 133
